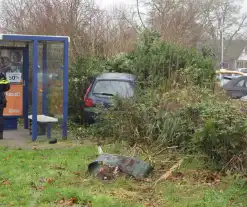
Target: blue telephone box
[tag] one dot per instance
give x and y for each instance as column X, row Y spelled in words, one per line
column 16, row 53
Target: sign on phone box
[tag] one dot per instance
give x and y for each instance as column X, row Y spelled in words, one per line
column 14, row 77
column 14, row 101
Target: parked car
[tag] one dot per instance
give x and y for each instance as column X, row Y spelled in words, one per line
column 103, row 88
column 242, row 70
column 244, row 99
column 224, row 76
column 237, row 87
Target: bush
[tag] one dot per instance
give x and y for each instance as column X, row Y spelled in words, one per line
column 155, row 60
column 80, row 75
column 168, row 109
column 192, row 118
column 220, row 132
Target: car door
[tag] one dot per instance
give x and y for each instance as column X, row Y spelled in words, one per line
column 239, row 89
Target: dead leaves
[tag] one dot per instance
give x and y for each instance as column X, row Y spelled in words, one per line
column 196, row 176
column 7, row 158
column 5, row 182
column 40, row 188
column 69, row 202
column 73, row 202
column 47, row 180
column 42, row 180
column 212, row 178
column 176, row 176
column 50, row 180
column 76, row 173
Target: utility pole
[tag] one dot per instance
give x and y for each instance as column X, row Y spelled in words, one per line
column 222, row 41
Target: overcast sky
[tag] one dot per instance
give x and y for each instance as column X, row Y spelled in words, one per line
column 106, row 3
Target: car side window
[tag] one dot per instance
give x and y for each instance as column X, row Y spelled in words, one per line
column 241, row 84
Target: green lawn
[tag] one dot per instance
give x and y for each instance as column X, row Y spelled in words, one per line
column 58, row 177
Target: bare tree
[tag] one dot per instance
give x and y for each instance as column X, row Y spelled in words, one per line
column 178, row 21
column 225, row 19
column 92, row 31
column 97, row 32
column 228, row 12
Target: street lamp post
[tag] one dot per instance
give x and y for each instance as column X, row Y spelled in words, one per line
column 222, row 41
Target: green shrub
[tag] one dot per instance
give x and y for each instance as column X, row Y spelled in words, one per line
column 190, row 117
column 168, row 109
column 79, row 77
column 221, row 132
column 155, row 60
column 152, row 62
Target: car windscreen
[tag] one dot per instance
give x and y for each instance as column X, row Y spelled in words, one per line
column 123, row 89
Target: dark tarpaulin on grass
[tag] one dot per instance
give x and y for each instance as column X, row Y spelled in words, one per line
column 129, row 165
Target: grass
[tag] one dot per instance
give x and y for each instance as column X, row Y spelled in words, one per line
column 58, row 177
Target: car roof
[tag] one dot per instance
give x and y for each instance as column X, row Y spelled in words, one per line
column 241, row 78
column 116, row 76
column 235, row 80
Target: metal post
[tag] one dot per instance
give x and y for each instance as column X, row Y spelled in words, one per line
column 35, row 91
column 65, row 88
column 45, row 87
column 45, row 81
column 25, row 84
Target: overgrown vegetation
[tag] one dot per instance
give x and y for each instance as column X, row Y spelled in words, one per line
column 174, row 106
column 79, row 78
column 194, row 120
column 152, row 62
column 175, row 112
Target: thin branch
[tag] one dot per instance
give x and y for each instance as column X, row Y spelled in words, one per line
column 139, row 14
column 240, row 26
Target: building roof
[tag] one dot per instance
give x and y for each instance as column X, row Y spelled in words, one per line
column 27, row 38
column 233, row 49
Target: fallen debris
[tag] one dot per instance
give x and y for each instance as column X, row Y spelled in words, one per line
column 109, row 166
column 169, row 172
column 53, row 141
column 100, row 151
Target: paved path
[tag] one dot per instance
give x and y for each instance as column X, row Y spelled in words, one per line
column 15, row 138
column 21, row 139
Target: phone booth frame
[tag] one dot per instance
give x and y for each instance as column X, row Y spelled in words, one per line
column 35, row 40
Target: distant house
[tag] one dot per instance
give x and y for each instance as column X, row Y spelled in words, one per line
column 235, row 53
